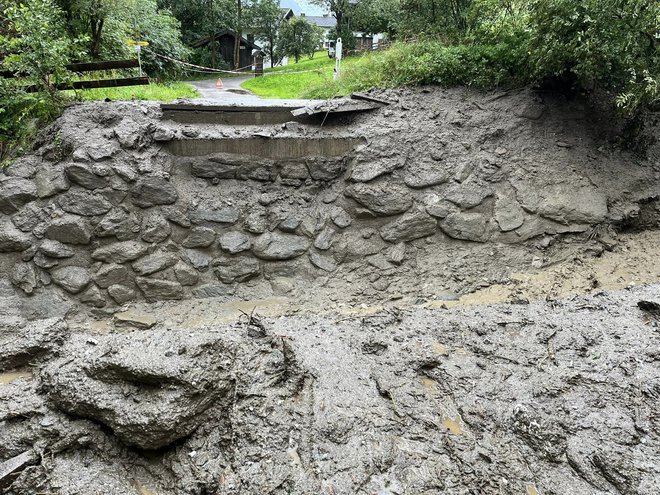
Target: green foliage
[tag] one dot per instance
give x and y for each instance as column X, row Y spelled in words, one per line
column 438, row 17
column 377, row 16
column 266, row 20
column 37, row 50
column 156, row 92
column 298, row 37
column 609, row 44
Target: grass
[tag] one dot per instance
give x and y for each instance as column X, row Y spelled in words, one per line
column 154, row 91
column 291, row 81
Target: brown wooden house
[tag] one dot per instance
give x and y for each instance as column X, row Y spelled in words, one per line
column 225, row 48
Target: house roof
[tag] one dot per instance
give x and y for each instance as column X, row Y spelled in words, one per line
column 207, row 39
column 321, row 20
column 287, row 13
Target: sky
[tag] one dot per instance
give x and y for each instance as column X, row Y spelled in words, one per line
column 299, row 6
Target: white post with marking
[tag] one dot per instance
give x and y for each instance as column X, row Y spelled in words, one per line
column 338, row 55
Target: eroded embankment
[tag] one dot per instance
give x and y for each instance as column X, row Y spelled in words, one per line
column 135, row 250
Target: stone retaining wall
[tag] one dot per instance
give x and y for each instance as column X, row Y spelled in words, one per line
column 117, row 214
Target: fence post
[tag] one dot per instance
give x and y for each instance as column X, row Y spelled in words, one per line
column 258, row 64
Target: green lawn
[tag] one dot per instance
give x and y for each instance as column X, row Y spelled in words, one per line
column 154, row 91
column 291, row 81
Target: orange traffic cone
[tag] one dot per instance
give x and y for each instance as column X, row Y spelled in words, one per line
column 219, row 84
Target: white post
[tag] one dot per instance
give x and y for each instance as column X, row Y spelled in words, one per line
column 338, row 55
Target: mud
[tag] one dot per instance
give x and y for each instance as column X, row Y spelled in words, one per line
column 438, row 297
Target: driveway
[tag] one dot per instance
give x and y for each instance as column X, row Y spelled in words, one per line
column 233, row 94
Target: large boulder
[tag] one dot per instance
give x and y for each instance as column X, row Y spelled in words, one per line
column 83, row 175
column 235, row 242
column 155, row 263
column 274, row 246
column 111, row 274
column 55, row 249
column 145, row 390
column 199, row 237
column 239, row 269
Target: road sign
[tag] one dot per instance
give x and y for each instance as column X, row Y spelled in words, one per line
column 137, row 43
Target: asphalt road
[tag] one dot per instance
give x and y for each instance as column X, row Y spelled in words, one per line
column 232, row 93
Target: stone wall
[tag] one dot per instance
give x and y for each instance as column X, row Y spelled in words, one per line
column 116, row 205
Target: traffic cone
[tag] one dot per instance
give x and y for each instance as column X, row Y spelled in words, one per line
column 219, row 84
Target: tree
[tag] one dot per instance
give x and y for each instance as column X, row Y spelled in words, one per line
column 340, row 10
column 267, row 19
column 377, row 16
column 610, row 44
column 298, row 37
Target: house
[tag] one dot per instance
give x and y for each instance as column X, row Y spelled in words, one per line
column 225, row 45
column 327, row 22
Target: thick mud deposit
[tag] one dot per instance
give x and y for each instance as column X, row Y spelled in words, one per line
column 213, row 309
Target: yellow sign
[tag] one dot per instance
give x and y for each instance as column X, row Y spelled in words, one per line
column 137, row 43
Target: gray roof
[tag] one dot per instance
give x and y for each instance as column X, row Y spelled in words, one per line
column 321, row 21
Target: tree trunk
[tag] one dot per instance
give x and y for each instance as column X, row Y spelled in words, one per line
column 97, row 28
column 238, row 34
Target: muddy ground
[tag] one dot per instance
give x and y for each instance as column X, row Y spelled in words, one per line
column 454, row 294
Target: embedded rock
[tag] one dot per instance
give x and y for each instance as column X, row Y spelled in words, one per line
column 16, row 192
column 12, row 239
column 154, row 263
column 82, row 174
column 199, row 237
column 468, row 194
column 55, row 249
column 567, row 204
column 69, row 229
column 428, row 173
column 23, row 276
column 50, row 182
column 199, row 259
column 275, row 246
column 240, row 269
column 508, row 214
column 93, row 297
column 18, row 347
column 411, row 226
column 466, row 226
column 155, row 229
column 84, row 203
column 325, row 169
column 159, row 290
column 256, row 222
column 215, row 215
column 325, row 239
column 235, row 242
column 111, row 275
column 73, row 279
column 121, row 294
column 340, row 217
column 152, row 191
column 324, row 263
column 120, row 224
column 120, row 252
column 185, row 274
column 367, row 167
column 382, row 199
column 119, row 372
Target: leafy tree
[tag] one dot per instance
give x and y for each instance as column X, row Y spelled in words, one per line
column 340, row 9
column 447, row 17
column 298, row 37
column 267, row 19
column 377, row 16
column 611, row 44
column 35, row 46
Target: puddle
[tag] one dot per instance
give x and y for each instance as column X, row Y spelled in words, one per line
column 429, row 383
column 143, row 489
column 11, row 376
column 453, row 426
column 531, row 490
column 438, row 348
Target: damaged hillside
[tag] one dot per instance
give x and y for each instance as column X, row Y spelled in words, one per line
column 454, row 293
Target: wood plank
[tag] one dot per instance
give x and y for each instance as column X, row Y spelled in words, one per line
column 185, row 107
column 103, row 65
column 366, row 97
column 86, row 67
column 10, row 466
column 102, row 83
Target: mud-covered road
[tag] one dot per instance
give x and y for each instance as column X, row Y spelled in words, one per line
column 456, row 293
